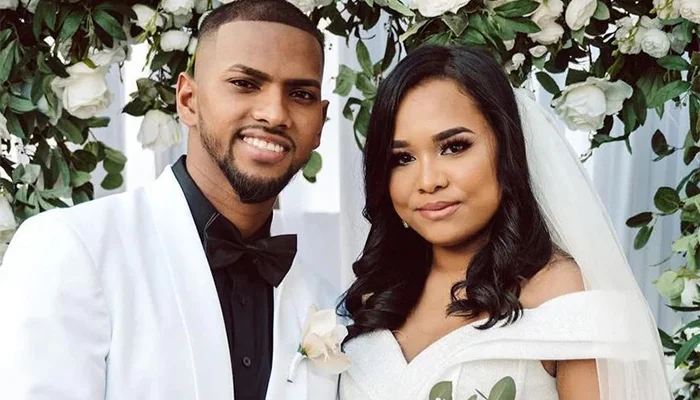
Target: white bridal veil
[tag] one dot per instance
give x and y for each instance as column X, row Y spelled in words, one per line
column 632, row 368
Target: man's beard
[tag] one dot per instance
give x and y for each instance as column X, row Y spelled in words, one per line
column 250, row 189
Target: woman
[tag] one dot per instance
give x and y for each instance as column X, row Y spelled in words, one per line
column 489, row 254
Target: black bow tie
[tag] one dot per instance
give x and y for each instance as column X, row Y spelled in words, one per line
column 272, row 256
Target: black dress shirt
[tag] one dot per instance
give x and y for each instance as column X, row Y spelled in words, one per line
column 246, row 298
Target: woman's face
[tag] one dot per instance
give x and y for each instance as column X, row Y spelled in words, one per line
column 444, row 182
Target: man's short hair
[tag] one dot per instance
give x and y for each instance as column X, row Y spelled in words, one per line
column 279, row 11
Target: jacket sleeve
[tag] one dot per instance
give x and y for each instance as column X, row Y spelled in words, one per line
column 54, row 324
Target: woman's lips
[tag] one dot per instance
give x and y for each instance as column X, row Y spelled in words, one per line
column 439, row 210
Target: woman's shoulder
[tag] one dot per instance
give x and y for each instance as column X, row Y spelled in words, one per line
column 559, row 277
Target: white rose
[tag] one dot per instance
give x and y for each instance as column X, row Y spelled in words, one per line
column 308, row 6
column 107, row 56
column 666, row 9
column 159, row 131
column 584, row 105
column 4, row 133
column 678, row 40
column 655, row 42
column 509, row 44
column 30, row 5
column 192, row 47
column 515, row 62
column 538, row 51
column 690, row 10
column 579, row 13
column 84, row 93
column 174, row 40
column 628, row 35
column 9, row 4
column 180, row 20
column 548, row 11
column 144, row 14
column 200, row 6
column 549, row 34
column 435, row 8
column 178, row 7
column 320, row 343
column 690, row 292
column 8, row 223
column 54, row 115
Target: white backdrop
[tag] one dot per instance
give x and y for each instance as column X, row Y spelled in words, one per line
column 327, row 214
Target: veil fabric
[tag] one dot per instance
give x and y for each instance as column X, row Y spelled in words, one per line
column 580, row 226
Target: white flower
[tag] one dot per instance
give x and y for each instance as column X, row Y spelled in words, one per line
column 320, row 343
column 690, row 10
column 200, row 6
column 308, row 6
column 690, row 292
column 678, row 39
column 435, row 8
column 549, row 34
column 144, row 14
column 159, row 131
column 192, row 47
column 178, row 7
column 4, row 133
column 180, row 20
column 675, row 375
column 30, row 5
column 584, row 105
column 107, row 56
column 7, row 217
column 656, row 43
column 548, row 11
column 628, row 35
column 54, row 115
column 579, row 13
column 515, row 62
column 84, row 93
column 538, row 51
column 9, row 4
column 174, row 40
column 666, row 9
column 509, row 44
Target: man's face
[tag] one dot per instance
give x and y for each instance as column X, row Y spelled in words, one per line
column 258, row 103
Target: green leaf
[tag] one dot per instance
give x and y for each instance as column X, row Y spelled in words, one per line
column 412, row 30
column 686, row 350
column 520, row 24
column 399, row 7
column 670, row 285
column 473, row 397
column 668, row 92
column 518, row 8
column 503, row 389
column 21, row 105
column 79, row 178
column 98, row 122
column 673, row 62
column 80, row 196
column 389, row 53
column 312, row 167
column 51, row 12
column 472, row 36
column 658, row 143
column 160, row 59
column 70, row 130
column 547, row 83
column 115, row 156
column 456, row 23
column 109, row 24
column 667, row 200
column 112, row 181
column 136, row 108
column 640, row 219
column 347, row 110
column 71, row 24
column 441, row 390
column 345, row 80
column 642, row 237
column 4, row 35
column 362, row 121
column 167, row 94
column 14, row 126
column 363, row 58
column 602, row 12
column 112, row 167
column 7, row 61
column 365, row 85
column 575, row 76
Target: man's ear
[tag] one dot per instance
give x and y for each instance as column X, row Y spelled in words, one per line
column 187, row 99
column 325, row 118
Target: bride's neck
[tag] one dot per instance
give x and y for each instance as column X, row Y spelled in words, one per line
column 454, row 260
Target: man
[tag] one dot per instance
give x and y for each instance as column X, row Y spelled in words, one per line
column 174, row 291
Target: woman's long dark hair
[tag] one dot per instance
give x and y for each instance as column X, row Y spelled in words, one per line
column 395, row 262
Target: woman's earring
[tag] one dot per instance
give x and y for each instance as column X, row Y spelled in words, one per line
column 404, row 223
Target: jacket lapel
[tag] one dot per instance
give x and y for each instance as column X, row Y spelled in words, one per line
column 197, row 301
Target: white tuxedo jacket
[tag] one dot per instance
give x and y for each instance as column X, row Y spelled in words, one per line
column 114, row 299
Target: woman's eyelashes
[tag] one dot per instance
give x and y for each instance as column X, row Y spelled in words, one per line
column 449, row 147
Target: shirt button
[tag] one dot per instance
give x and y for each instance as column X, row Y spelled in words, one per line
column 247, row 362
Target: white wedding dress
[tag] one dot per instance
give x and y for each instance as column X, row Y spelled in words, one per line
column 581, row 325
column 610, row 321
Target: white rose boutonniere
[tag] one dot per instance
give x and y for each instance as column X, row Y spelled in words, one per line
column 320, row 344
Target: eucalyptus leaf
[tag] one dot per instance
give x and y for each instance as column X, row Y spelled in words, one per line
column 673, row 62
column 21, row 105
column 642, row 237
column 686, row 350
column 670, row 285
column 112, row 181
column 399, row 7
column 110, row 24
column 667, row 200
column 503, row 389
column 518, row 8
column 412, row 30
column 79, row 178
column 364, row 84
column 441, row 391
column 347, row 110
column 363, row 58
column 70, row 130
column 640, row 219
column 345, row 80
column 70, row 24
column 602, row 12
column 115, row 155
column 312, row 167
column 456, row 22
column 547, row 82
column 667, row 92
column 658, row 143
